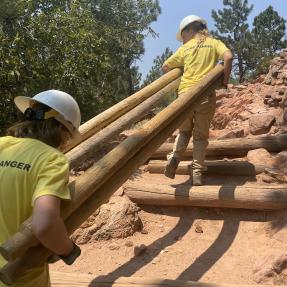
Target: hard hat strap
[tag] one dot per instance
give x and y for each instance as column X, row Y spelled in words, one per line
column 39, row 114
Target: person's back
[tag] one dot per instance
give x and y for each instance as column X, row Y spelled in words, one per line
column 198, row 60
column 197, row 56
column 33, row 180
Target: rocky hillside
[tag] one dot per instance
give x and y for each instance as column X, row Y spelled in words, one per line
column 256, row 108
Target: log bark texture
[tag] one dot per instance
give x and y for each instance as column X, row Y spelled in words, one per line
column 230, row 147
column 99, row 182
column 102, row 120
column 219, row 167
column 245, row 197
column 85, row 280
column 87, row 148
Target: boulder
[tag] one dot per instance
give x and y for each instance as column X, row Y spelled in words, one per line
column 236, row 133
column 259, row 156
column 261, row 123
column 116, row 219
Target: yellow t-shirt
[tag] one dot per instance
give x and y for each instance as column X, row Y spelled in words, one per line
column 196, row 62
column 28, row 170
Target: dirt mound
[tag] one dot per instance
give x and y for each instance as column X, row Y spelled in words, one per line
column 116, row 219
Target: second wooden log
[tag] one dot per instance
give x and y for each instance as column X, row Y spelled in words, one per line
column 231, row 147
column 218, row 167
column 245, row 197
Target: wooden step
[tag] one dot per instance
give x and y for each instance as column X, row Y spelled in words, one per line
column 246, row 197
column 219, row 167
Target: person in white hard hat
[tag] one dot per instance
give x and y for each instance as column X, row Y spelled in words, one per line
column 197, row 56
column 34, row 177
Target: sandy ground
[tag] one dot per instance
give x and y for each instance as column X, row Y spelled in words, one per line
column 199, row 244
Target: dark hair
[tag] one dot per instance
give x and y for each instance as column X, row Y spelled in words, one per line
column 195, row 27
column 47, row 131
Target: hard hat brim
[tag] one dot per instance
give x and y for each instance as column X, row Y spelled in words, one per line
column 23, row 103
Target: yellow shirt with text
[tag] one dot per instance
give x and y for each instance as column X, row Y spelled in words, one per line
column 197, row 62
column 28, row 169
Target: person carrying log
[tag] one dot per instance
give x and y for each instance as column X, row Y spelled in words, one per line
column 34, row 177
column 198, row 55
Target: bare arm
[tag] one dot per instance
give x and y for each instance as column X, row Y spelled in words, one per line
column 165, row 68
column 49, row 227
column 227, row 57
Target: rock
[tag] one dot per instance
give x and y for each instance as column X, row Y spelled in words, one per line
column 220, row 121
column 129, row 244
column 240, row 87
column 198, row 229
column 259, row 156
column 139, row 250
column 274, row 130
column 276, row 174
column 245, row 115
column 144, row 231
column 285, row 115
column 282, row 91
column 268, row 179
column 236, row 133
column 261, row 124
column 280, row 162
column 114, row 247
column 116, row 219
column 270, row 267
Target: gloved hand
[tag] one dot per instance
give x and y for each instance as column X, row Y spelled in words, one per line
column 68, row 259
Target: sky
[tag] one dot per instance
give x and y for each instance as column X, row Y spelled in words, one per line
column 173, row 11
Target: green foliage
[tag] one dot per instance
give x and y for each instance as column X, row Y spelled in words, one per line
column 252, row 49
column 156, row 72
column 268, row 36
column 233, row 30
column 85, row 47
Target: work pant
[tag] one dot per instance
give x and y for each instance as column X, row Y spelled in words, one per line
column 196, row 125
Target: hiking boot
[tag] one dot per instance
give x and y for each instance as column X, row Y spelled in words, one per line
column 171, row 167
column 196, row 178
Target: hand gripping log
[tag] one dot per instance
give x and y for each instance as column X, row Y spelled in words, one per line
column 94, row 187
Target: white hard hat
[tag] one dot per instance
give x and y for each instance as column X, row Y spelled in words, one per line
column 67, row 110
column 186, row 21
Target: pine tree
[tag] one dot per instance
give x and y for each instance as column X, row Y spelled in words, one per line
column 233, row 30
column 155, row 71
column 268, row 37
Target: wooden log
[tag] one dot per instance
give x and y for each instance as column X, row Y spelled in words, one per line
column 103, row 177
column 87, row 148
column 219, row 167
column 102, row 120
column 85, row 280
column 231, row 147
column 245, row 197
